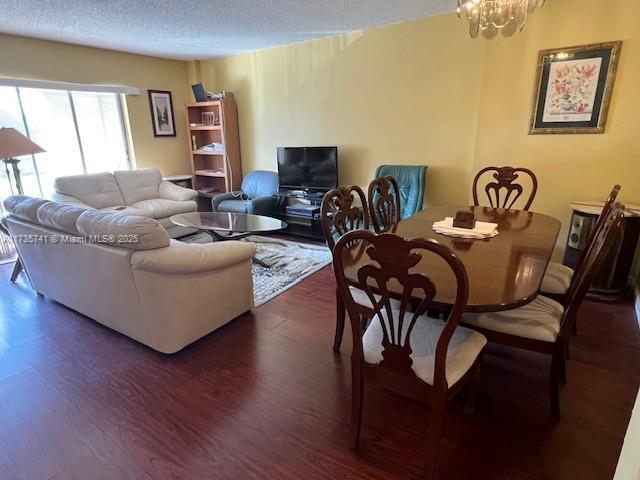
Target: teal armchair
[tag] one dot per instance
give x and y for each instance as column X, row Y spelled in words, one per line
column 411, row 179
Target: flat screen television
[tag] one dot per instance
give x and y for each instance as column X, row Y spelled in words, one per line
column 307, row 169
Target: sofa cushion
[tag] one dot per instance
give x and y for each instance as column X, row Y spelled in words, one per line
column 98, row 190
column 138, row 185
column 162, row 208
column 188, row 258
column 124, row 210
column 60, row 216
column 171, row 191
column 24, row 207
column 68, row 200
column 124, row 231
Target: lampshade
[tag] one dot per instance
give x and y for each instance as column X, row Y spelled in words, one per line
column 14, row 144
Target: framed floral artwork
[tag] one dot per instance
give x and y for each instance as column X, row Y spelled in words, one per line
column 162, row 113
column 573, row 88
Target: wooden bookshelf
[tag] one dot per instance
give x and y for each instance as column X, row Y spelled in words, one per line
column 214, row 169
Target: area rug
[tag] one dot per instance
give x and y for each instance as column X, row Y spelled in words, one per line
column 290, row 263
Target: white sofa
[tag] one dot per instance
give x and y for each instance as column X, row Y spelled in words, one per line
column 130, row 192
column 126, row 273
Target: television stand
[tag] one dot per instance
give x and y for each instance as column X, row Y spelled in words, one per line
column 301, row 195
column 302, row 213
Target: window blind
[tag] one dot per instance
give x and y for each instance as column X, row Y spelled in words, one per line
column 81, row 131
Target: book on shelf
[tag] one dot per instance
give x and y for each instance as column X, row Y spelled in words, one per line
column 213, row 147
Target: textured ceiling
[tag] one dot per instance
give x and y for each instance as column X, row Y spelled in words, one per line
column 200, row 29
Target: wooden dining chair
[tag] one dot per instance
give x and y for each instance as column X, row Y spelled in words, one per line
column 407, row 352
column 557, row 278
column 339, row 214
column 544, row 325
column 507, row 179
column 384, row 204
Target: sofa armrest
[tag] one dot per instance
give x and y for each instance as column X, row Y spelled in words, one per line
column 68, row 199
column 183, row 258
column 218, row 199
column 171, row 191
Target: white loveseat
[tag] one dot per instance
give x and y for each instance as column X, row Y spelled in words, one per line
column 130, row 192
column 126, row 273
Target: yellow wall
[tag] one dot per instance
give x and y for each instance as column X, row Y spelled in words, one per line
column 569, row 167
column 418, row 92
column 406, row 94
column 422, row 92
column 42, row 60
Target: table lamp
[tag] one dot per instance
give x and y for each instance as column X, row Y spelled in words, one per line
column 14, row 144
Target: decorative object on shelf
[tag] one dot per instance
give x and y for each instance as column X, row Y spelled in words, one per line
column 491, row 16
column 573, row 88
column 208, row 118
column 213, row 147
column 14, row 144
column 201, row 95
column 464, row 220
column 162, row 113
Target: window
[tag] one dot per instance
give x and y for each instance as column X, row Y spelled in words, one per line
column 82, row 132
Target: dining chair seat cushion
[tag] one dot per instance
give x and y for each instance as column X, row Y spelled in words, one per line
column 464, row 347
column 538, row 320
column 361, row 298
column 557, row 279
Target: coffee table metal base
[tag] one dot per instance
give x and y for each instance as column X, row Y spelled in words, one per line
column 17, row 268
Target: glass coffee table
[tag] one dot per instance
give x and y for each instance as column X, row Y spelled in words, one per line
column 229, row 226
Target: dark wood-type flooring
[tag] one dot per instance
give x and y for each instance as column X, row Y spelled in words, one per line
column 266, row 398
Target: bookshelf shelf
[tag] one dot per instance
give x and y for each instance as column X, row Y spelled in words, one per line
column 204, row 128
column 206, row 152
column 210, row 173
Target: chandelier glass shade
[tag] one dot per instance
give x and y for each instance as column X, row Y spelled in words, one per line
column 507, row 16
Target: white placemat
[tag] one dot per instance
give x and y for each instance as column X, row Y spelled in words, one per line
column 481, row 230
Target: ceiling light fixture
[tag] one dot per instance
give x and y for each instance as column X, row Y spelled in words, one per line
column 508, row 16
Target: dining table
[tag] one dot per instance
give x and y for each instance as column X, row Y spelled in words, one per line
column 504, row 271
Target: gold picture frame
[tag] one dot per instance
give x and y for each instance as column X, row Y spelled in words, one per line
column 573, row 89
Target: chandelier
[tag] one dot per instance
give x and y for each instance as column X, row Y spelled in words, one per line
column 508, row 16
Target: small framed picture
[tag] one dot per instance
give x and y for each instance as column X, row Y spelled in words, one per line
column 162, row 113
column 573, row 88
